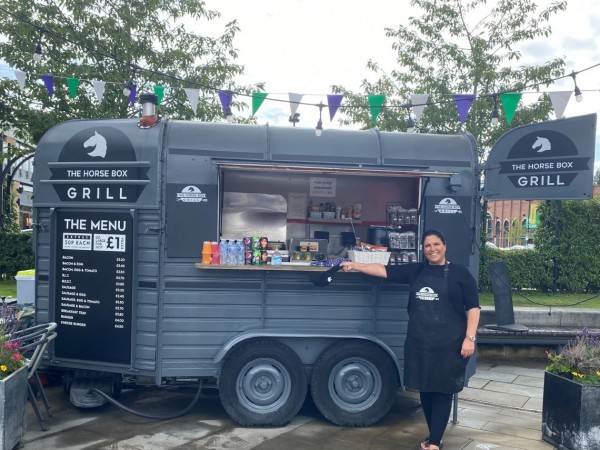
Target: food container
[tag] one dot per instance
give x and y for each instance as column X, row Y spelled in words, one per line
column 328, row 215
column 369, row 257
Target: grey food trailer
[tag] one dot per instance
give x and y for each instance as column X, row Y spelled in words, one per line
column 121, row 214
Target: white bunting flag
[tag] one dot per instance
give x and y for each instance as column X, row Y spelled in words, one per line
column 295, row 100
column 99, row 88
column 559, row 100
column 419, row 102
column 20, row 79
column 192, row 95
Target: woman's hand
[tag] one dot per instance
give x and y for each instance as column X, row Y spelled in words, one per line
column 347, row 266
column 468, row 348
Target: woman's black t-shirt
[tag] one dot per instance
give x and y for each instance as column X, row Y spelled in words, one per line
column 462, row 287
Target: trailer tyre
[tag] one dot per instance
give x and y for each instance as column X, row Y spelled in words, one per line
column 354, row 384
column 262, row 383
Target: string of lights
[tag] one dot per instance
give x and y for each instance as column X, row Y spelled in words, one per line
column 226, row 96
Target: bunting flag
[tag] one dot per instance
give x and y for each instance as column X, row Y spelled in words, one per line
column 49, row 83
column 73, row 84
column 333, row 103
column 99, row 89
column 257, row 99
column 419, row 102
column 192, row 95
column 160, row 92
column 463, row 105
column 559, row 100
column 20, row 79
column 132, row 94
column 375, row 104
column 510, row 101
column 295, row 100
column 225, row 97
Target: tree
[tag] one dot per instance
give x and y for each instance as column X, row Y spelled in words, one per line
column 111, row 40
column 462, row 46
column 516, row 234
column 569, row 235
column 597, row 176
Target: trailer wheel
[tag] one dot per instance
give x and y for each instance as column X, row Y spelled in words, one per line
column 262, row 383
column 354, row 384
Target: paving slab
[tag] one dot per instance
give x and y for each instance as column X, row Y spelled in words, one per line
column 517, row 389
column 494, row 398
column 529, row 381
column 515, row 370
column 492, row 375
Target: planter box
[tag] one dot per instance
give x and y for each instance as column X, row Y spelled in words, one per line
column 13, row 404
column 570, row 414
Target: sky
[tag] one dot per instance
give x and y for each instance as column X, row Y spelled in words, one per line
column 305, row 46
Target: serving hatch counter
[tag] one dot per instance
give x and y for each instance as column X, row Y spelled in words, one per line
column 263, row 267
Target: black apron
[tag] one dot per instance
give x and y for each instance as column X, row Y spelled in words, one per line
column 436, row 330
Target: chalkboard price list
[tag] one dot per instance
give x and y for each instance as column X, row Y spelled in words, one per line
column 93, row 286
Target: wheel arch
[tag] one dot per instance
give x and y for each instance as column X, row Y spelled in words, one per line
column 298, row 342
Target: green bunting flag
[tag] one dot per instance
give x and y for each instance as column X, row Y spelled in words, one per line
column 375, row 105
column 160, row 92
column 510, row 101
column 257, row 99
column 73, row 84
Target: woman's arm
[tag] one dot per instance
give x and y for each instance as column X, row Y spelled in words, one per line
column 373, row 269
column 468, row 347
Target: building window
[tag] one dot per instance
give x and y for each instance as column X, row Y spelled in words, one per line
column 505, row 234
column 497, row 236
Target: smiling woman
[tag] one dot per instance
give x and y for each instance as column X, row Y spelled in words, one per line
column 443, row 310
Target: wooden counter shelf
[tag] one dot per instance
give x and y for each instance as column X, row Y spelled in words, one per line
column 262, row 267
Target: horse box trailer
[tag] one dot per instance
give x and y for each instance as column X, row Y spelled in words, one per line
column 122, row 209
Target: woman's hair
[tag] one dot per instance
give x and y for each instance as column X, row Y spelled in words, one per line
column 433, row 233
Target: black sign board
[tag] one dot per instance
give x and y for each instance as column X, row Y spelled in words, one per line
column 93, row 286
column 544, row 161
column 192, row 218
column 451, row 216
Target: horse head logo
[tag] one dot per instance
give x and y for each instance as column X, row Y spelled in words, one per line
column 99, row 143
column 542, row 143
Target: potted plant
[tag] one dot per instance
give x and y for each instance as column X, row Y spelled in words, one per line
column 570, row 412
column 13, row 383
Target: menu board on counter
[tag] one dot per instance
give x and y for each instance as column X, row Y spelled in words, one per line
column 93, row 295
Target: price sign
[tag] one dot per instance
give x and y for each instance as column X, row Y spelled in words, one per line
column 93, row 286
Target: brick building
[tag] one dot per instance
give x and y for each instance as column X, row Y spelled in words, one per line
column 503, row 215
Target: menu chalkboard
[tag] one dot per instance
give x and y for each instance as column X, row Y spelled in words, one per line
column 93, row 286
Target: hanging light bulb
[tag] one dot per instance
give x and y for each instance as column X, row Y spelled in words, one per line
column 495, row 111
column 37, row 53
column 578, row 95
column 127, row 87
column 410, row 124
column 319, row 129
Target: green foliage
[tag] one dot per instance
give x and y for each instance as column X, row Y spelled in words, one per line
column 579, row 360
column 16, row 253
column 113, row 35
column 458, row 46
column 526, row 269
column 576, row 249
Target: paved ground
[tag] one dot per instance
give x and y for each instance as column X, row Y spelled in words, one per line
column 500, row 410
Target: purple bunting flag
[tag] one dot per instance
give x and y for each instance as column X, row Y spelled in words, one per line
column 333, row 103
column 49, row 83
column 132, row 94
column 463, row 105
column 225, row 97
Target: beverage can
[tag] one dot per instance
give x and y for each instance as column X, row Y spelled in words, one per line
column 255, row 243
column 256, row 257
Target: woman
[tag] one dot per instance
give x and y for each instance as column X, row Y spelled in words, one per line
column 443, row 311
